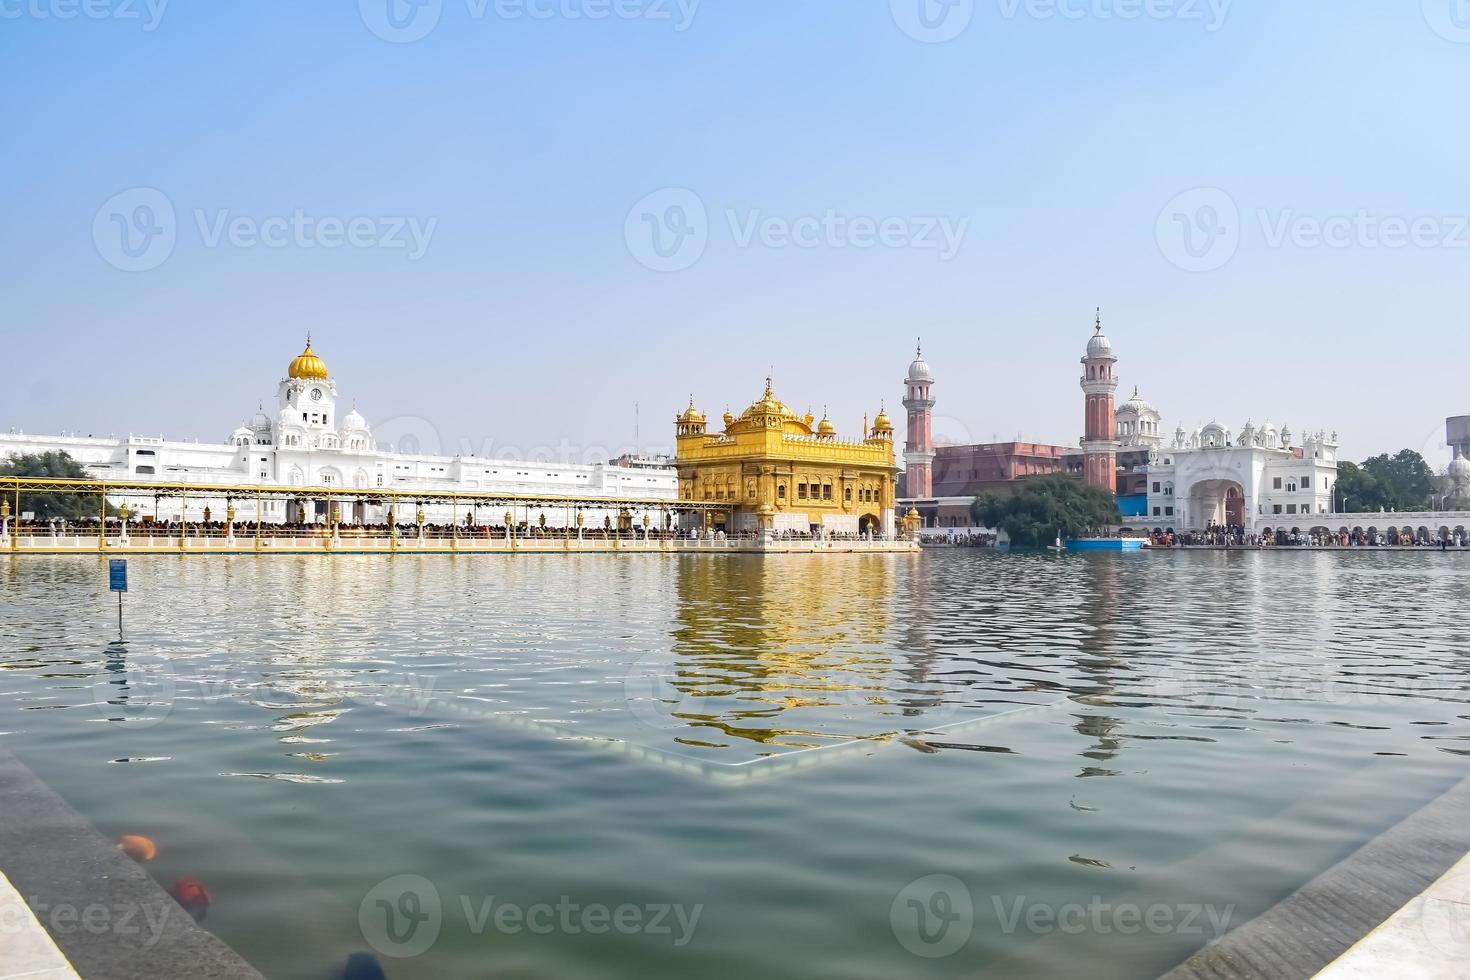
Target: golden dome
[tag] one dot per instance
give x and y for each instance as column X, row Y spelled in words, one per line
column 728, row 418
column 825, row 427
column 692, row 415
column 770, row 405
column 308, row 366
column 882, row 423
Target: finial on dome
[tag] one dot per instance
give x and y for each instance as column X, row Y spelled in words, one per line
column 1098, row 323
column 919, row 347
column 770, row 391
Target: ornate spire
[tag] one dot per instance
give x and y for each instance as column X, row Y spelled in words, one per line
column 1097, row 324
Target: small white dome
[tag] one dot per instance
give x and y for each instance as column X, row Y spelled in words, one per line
column 919, row 370
column 354, row 422
column 261, row 422
column 1138, row 406
column 241, row 433
column 1098, row 345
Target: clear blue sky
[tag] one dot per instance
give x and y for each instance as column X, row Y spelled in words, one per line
column 1054, row 137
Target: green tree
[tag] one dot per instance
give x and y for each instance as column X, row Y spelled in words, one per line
column 1044, row 508
column 1358, row 492
column 53, row 466
column 1406, row 480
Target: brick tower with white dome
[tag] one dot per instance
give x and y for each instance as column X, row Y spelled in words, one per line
column 918, row 450
column 1100, row 386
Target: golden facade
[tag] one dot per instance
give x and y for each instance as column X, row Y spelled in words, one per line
column 785, row 472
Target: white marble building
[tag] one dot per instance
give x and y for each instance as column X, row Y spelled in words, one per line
column 1138, row 423
column 1258, row 479
column 309, row 443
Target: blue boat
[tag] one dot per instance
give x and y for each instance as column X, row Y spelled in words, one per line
column 1104, row 544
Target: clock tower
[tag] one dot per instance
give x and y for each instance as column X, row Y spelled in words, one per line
column 308, row 400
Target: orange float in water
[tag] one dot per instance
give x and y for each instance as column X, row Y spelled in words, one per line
column 137, row 847
column 192, row 896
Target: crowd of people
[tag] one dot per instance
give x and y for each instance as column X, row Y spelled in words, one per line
column 88, row 527
column 1235, row 536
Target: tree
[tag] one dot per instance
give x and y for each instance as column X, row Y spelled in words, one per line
column 1045, row 508
column 53, row 466
column 1406, row 480
column 1358, row 492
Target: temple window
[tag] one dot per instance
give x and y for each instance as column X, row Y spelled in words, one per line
column 781, row 491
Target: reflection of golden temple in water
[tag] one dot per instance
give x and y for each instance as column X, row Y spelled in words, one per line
column 783, row 652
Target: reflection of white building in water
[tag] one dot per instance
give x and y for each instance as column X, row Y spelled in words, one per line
column 1256, row 480
column 308, row 443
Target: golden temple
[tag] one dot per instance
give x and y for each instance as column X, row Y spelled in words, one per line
column 782, row 472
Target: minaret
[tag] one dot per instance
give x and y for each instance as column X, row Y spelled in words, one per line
column 918, row 451
column 1100, row 465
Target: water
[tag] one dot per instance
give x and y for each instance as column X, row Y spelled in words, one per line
column 757, row 763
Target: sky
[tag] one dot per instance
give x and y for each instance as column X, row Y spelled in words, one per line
column 515, row 227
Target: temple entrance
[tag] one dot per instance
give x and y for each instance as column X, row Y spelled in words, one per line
column 869, row 524
column 1234, row 507
column 1219, row 503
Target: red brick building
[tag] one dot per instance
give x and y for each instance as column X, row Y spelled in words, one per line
column 945, row 480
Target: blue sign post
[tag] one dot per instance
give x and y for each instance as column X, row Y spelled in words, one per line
column 117, row 581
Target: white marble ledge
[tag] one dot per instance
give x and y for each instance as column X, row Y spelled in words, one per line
column 1427, row 939
column 26, row 949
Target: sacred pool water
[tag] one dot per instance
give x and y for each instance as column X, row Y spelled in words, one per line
column 725, row 765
